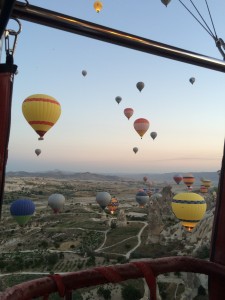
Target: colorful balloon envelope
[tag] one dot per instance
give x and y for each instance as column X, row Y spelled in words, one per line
column 153, row 135
column 38, row 152
column 98, row 6
column 118, row 99
column 113, row 205
column 135, row 149
column 128, row 112
column 141, row 125
column 177, row 178
column 189, row 208
column 140, row 85
column 41, row 112
column 142, row 198
column 56, row 202
column 203, row 189
column 188, row 180
column 22, row 210
column 103, row 199
column 206, row 182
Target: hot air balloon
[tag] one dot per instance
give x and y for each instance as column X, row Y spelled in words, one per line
column 145, row 178
column 142, row 198
column 177, row 178
column 98, row 6
column 192, row 80
column 140, row 85
column 128, row 112
column 22, row 210
column 118, row 99
column 203, row 189
column 56, row 202
column 188, row 180
column 38, row 151
column 113, row 205
column 206, row 182
column 141, row 126
column 135, row 149
column 153, row 134
column 41, row 112
column 189, row 208
column 165, row 2
column 84, row 73
column 103, row 199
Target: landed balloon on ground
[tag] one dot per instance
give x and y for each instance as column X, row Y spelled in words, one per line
column 140, row 85
column 103, row 199
column 189, row 208
column 22, row 210
column 118, row 99
column 192, row 80
column 153, row 135
column 141, row 126
column 38, row 151
column 128, row 112
column 56, row 202
column 41, row 112
column 135, row 149
column 113, row 205
column 98, row 6
column 142, row 198
column 84, row 73
column 177, row 178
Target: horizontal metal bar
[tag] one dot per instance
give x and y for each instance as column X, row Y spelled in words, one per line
column 70, row 24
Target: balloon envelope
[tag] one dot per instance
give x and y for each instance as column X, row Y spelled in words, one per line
column 189, row 208
column 165, row 2
column 141, row 126
column 38, row 151
column 188, row 180
column 98, row 6
column 128, row 112
column 153, row 134
column 142, row 198
column 103, row 199
column 22, row 210
column 113, row 205
column 177, row 178
column 56, row 202
column 41, row 112
column 135, row 149
column 84, row 73
column 118, row 99
column 192, row 80
column 140, row 85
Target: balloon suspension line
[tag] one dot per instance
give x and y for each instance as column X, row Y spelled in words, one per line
column 219, row 42
column 11, row 49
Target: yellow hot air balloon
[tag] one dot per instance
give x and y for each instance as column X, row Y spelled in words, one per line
column 41, row 112
column 98, row 6
column 189, row 208
column 206, row 182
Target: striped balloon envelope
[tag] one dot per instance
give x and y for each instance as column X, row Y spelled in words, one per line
column 141, row 126
column 189, row 208
column 113, row 205
column 41, row 112
column 188, row 180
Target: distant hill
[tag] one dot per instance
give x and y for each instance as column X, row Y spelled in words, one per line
column 64, row 175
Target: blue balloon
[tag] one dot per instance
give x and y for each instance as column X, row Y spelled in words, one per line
column 22, row 207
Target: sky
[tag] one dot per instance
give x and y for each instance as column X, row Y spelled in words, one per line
column 92, row 133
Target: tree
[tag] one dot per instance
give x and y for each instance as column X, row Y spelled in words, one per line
column 130, row 292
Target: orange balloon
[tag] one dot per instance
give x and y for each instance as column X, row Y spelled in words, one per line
column 141, row 126
column 128, row 112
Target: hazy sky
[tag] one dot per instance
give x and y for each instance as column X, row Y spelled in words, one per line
column 92, row 133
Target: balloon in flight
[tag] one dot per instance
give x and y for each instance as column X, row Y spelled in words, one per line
column 113, row 205
column 135, row 149
column 41, row 112
column 188, row 180
column 165, row 2
column 153, row 135
column 84, row 73
column 140, row 85
column 128, row 112
column 141, row 125
column 189, row 208
column 142, row 198
column 38, row 151
column 145, row 178
column 98, row 6
column 56, row 202
column 118, row 99
column 192, row 80
column 177, row 178
column 206, row 182
column 103, row 199
column 22, row 210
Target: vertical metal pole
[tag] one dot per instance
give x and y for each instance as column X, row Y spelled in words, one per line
column 216, row 285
